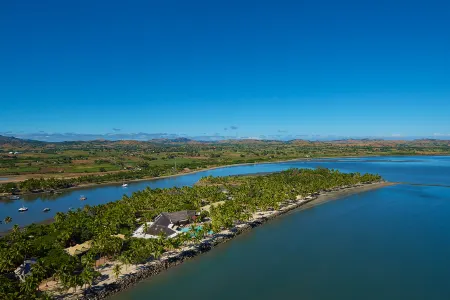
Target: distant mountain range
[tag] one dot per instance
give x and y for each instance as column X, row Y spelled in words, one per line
column 142, row 136
column 17, row 142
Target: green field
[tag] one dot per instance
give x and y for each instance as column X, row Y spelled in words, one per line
column 108, row 161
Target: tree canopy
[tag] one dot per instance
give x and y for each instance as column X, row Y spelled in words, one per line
column 239, row 197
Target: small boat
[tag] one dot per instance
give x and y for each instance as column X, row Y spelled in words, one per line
column 124, row 184
column 46, row 209
column 23, row 208
column 14, row 197
column 82, row 198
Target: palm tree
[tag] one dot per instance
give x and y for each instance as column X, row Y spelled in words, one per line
column 7, row 261
column 29, row 286
column 117, row 270
column 8, row 220
column 145, row 227
column 38, row 272
column 15, row 232
column 59, row 217
column 88, row 275
column 157, row 251
column 125, row 259
column 88, row 259
column 245, row 196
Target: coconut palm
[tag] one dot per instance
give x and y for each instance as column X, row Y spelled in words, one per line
column 244, row 196
column 87, row 276
column 145, row 227
column 117, row 270
column 29, row 287
column 125, row 259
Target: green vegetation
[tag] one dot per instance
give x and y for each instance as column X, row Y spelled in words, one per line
column 70, row 164
column 240, row 197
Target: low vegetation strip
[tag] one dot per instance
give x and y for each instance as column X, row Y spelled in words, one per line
column 241, row 200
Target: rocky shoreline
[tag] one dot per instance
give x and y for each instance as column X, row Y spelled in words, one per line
column 155, row 267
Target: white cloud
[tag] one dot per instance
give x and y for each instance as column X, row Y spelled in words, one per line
column 441, row 134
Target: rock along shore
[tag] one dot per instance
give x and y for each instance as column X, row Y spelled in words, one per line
column 168, row 261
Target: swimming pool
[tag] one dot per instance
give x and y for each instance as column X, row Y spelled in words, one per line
column 187, row 229
column 198, row 228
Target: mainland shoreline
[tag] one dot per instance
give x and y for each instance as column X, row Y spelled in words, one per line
column 136, row 273
column 110, row 183
column 106, row 183
column 82, row 186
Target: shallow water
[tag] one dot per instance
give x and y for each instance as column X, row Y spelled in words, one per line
column 424, row 170
column 390, row 243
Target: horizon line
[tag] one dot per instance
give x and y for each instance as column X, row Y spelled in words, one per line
column 142, row 137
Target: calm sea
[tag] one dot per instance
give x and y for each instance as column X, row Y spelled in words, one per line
column 391, row 243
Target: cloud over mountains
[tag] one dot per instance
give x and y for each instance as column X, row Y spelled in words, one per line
column 143, row 136
column 116, row 135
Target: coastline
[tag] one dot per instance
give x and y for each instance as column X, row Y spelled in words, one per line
column 106, row 183
column 82, row 186
column 137, row 273
column 87, row 185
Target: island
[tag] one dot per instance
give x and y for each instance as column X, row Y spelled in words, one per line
column 96, row 251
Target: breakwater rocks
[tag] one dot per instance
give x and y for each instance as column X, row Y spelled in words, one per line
column 147, row 271
column 155, row 267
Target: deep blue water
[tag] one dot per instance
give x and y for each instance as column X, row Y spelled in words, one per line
column 423, row 170
column 391, row 243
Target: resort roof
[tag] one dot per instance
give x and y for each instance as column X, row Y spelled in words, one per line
column 163, row 224
column 79, row 248
column 156, row 230
column 121, row 236
column 208, row 207
column 162, row 220
column 179, row 216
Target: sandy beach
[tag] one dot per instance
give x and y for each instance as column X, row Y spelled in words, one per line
column 131, row 274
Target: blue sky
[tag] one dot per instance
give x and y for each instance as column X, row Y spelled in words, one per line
column 196, row 68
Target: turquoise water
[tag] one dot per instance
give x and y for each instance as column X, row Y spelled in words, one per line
column 391, row 243
column 187, row 229
column 198, row 228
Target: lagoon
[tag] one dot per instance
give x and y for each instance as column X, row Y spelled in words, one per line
column 418, row 170
column 390, row 243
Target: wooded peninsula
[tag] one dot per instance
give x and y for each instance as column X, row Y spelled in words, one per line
column 69, row 257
